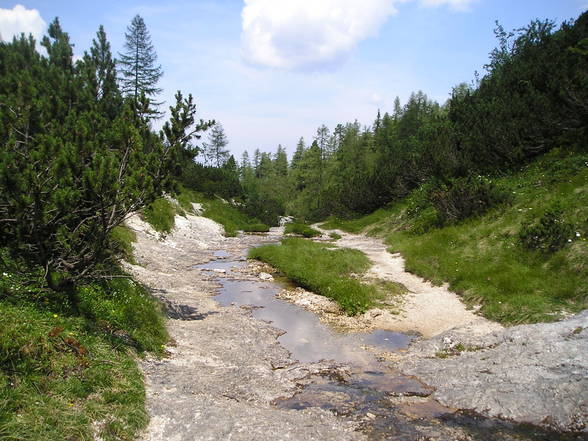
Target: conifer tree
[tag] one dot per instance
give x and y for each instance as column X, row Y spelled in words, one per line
column 215, row 152
column 281, row 162
column 138, row 68
column 69, row 174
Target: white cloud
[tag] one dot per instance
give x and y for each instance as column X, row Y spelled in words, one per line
column 458, row 5
column 20, row 19
column 303, row 34
column 315, row 34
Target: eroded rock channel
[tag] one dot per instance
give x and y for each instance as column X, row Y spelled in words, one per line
column 247, row 365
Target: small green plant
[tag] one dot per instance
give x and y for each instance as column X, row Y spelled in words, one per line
column 334, row 236
column 160, row 215
column 549, row 234
column 463, row 198
column 122, row 242
column 302, row 229
column 255, row 228
column 425, row 220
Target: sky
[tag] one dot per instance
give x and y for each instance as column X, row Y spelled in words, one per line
column 272, row 71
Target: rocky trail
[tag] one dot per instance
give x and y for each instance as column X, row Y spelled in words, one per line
column 251, row 360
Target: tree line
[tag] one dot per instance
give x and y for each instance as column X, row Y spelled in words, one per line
column 532, row 98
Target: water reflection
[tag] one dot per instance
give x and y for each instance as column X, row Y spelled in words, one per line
column 306, row 337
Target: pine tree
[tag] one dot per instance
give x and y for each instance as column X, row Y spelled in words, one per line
column 69, row 174
column 215, row 152
column 299, row 153
column 281, row 162
column 100, row 69
column 138, row 68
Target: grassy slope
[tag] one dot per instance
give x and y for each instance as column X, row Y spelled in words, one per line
column 160, row 214
column 322, row 269
column 481, row 257
column 302, row 229
column 61, row 369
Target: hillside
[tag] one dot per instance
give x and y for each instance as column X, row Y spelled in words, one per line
column 488, row 259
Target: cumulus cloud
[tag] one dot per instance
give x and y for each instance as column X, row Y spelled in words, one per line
column 302, row 34
column 20, row 19
column 315, row 34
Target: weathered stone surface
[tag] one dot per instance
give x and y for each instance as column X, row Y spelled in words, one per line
column 225, row 368
column 532, row 373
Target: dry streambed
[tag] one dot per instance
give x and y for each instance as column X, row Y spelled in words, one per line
column 232, row 375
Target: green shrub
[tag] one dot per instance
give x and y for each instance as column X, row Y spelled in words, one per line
column 160, row 215
column 255, row 228
column 302, row 229
column 425, row 220
column 463, row 198
column 420, row 199
column 549, row 234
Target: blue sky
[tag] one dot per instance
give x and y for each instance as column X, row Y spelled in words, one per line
column 274, row 70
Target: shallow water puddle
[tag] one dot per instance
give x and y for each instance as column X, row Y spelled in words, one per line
column 306, row 337
column 387, row 404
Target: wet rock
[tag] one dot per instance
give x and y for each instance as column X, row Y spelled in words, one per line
column 534, row 374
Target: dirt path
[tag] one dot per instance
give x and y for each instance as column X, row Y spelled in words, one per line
column 534, row 374
column 426, row 309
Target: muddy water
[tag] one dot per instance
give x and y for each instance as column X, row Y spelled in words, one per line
column 386, row 404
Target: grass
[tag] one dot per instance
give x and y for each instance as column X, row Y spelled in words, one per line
column 335, row 236
column 255, row 228
column 231, row 218
column 359, row 224
column 323, row 270
column 160, row 214
column 70, row 373
column 123, row 239
column 482, row 259
column 302, row 229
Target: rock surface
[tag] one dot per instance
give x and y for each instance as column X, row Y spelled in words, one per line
column 225, row 368
column 535, row 374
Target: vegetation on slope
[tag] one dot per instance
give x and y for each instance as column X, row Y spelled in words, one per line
column 161, row 213
column 531, row 99
column 301, row 229
column 323, row 270
column 77, row 156
column 490, row 259
column 70, row 371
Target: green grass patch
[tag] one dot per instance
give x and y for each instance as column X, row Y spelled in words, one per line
column 323, row 270
column 255, row 228
column 302, row 229
column 231, row 218
column 222, row 212
column 482, row 257
column 123, row 239
column 359, row 224
column 160, row 215
column 335, row 236
column 71, row 373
